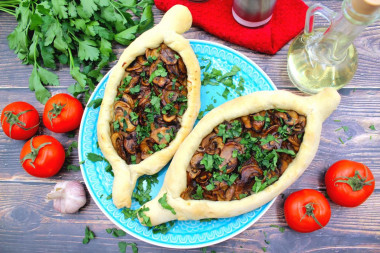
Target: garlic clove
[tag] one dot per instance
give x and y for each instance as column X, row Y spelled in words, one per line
column 68, row 196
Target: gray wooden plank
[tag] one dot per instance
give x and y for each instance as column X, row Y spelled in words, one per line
column 27, row 221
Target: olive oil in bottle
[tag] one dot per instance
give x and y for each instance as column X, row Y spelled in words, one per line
column 322, row 57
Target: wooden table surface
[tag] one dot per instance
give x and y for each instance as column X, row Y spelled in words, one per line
column 29, row 224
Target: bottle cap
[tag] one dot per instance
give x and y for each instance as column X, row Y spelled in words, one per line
column 366, row 7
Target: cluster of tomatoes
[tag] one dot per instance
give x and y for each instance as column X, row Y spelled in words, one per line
column 348, row 184
column 43, row 155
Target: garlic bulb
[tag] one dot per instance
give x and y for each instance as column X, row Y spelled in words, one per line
column 68, row 196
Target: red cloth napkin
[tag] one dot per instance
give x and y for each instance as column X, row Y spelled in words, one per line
column 215, row 17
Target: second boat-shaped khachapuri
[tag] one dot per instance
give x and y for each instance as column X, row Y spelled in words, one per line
column 244, row 156
column 241, row 155
column 150, row 103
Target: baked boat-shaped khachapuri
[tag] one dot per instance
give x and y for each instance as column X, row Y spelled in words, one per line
column 150, row 103
column 241, row 155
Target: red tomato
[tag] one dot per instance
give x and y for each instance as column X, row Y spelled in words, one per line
column 307, row 210
column 42, row 156
column 62, row 113
column 349, row 183
column 20, row 120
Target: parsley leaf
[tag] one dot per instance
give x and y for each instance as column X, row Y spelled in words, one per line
column 73, row 145
column 144, row 188
column 145, row 219
column 88, row 235
column 164, row 203
column 123, row 247
column 281, row 229
column 95, row 157
column 199, row 193
column 129, row 213
column 73, row 167
column 135, row 89
column 162, row 228
column 95, row 103
column 160, row 71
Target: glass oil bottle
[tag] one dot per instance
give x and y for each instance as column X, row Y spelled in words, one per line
column 322, row 57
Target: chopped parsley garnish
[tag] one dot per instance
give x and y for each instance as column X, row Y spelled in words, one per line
column 133, row 159
column 162, row 228
column 73, row 167
column 123, row 247
column 73, row 145
column 209, row 107
column 164, row 203
column 210, row 186
column 281, row 229
column 225, row 93
column 135, row 90
column 98, row 158
column 268, row 139
column 156, row 103
column 230, row 132
column 88, row 235
column 199, row 193
column 129, row 213
column 259, row 185
column 160, row 71
column 169, row 109
column 229, row 179
column 145, row 219
column 182, row 109
column 286, row 151
column 142, row 132
column 242, row 195
column 116, row 125
column 200, row 115
column 115, row 232
column 207, row 219
column 211, row 161
column 259, row 118
column 144, row 188
column 345, row 128
column 95, row 103
column 372, row 127
column 133, row 116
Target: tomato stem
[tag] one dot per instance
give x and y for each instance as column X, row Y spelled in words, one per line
column 13, row 119
column 310, row 212
column 357, row 182
column 55, row 112
column 33, row 152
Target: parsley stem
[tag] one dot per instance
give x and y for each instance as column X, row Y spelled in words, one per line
column 72, row 65
column 118, row 10
column 4, row 9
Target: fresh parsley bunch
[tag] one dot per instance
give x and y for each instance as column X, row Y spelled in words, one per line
column 78, row 33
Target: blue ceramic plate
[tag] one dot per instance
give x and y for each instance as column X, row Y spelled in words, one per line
column 184, row 234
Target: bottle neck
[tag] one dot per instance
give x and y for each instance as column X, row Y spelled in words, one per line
column 345, row 27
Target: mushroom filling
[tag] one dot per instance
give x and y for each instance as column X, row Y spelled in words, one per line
column 245, row 155
column 150, row 103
